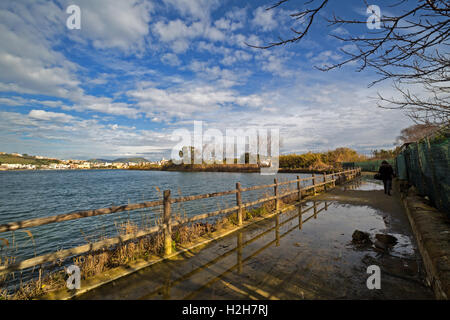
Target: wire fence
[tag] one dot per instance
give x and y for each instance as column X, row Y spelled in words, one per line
column 426, row 165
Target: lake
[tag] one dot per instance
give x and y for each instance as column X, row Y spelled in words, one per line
column 31, row 194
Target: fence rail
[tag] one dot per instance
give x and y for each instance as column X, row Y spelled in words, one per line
column 168, row 222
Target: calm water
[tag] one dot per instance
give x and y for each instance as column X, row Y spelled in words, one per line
column 32, row 194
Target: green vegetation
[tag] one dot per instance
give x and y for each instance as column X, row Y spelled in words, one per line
column 320, row 161
column 309, row 161
column 385, row 154
column 147, row 166
column 25, row 159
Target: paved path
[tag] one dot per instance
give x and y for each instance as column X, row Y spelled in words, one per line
column 301, row 254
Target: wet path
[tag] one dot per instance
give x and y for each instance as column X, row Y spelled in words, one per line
column 301, row 254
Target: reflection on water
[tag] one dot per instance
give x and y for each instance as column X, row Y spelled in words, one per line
column 364, row 184
column 303, row 254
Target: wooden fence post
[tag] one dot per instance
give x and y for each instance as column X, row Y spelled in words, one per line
column 167, row 227
column 325, row 181
column 300, row 221
column 277, row 230
column 299, row 189
column 239, row 203
column 314, row 183
column 315, row 210
column 239, row 252
column 275, row 190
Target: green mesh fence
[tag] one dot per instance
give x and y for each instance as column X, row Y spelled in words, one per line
column 372, row 165
column 426, row 165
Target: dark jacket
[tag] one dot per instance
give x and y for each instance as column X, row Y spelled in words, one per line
column 386, row 172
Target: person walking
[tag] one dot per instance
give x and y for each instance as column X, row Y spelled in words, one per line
column 387, row 173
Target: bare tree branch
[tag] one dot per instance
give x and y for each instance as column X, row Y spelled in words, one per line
column 411, row 48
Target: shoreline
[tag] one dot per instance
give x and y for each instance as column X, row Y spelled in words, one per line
column 31, row 170
column 234, row 170
column 228, row 169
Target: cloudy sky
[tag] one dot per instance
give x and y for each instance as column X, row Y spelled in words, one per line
column 139, row 69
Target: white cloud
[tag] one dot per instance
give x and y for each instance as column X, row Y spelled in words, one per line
column 123, row 25
column 179, row 34
column 50, row 116
column 170, row 59
column 264, row 19
column 27, row 60
column 228, row 25
column 238, row 15
column 14, row 101
column 20, row 101
column 325, row 57
column 60, row 135
column 222, row 77
column 275, row 64
column 340, row 31
column 242, row 41
column 188, row 100
column 199, row 9
column 104, row 105
column 236, row 56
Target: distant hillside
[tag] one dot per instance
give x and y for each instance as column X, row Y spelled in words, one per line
column 122, row 160
column 25, row 159
column 137, row 160
column 99, row 160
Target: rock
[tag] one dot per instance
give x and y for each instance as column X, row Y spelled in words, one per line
column 386, row 239
column 380, row 245
column 361, row 237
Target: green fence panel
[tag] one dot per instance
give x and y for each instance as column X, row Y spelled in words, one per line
column 400, row 164
column 426, row 165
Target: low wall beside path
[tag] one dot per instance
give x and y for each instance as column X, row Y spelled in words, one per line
column 432, row 231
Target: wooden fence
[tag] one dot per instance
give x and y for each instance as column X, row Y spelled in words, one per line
column 326, row 181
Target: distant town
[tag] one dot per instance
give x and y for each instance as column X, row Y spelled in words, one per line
column 17, row 161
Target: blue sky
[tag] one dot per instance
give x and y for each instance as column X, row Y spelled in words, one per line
column 137, row 70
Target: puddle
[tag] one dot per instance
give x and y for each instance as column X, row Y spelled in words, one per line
column 302, row 254
column 404, row 247
column 365, row 184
